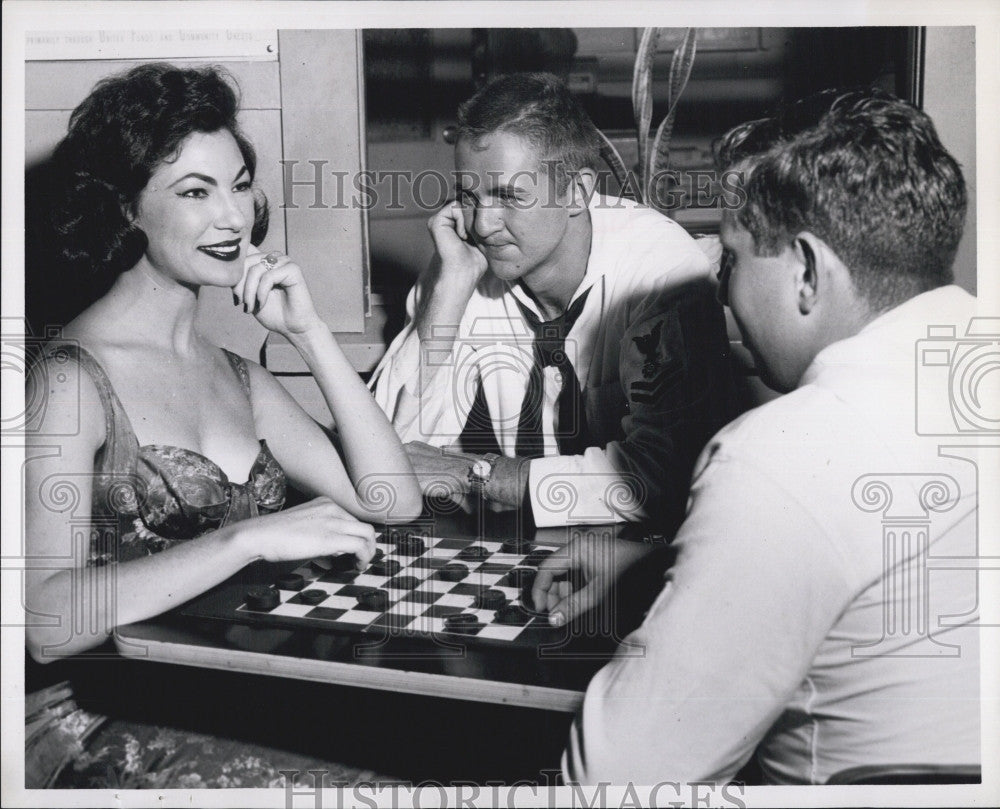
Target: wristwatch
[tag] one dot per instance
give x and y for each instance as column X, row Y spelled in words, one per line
column 481, row 472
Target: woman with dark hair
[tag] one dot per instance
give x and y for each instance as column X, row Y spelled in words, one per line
column 178, row 451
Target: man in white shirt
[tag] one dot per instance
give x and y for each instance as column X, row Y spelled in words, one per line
column 579, row 333
column 804, row 616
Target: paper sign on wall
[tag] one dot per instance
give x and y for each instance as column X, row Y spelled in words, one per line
column 165, row 43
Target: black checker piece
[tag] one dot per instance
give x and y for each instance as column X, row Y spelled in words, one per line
column 462, row 624
column 290, row 581
column 410, row 544
column 385, row 567
column 339, row 577
column 262, row 598
column 490, row 600
column 373, row 599
column 312, row 597
column 474, row 553
column 342, row 563
column 493, row 567
column 513, row 615
column 536, row 557
column 516, row 545
column 520, row 577
column 453, row 571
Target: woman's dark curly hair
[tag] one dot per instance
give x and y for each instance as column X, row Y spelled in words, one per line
column 126, row 127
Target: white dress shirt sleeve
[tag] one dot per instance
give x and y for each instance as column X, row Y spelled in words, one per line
column 754, row 590
column 423, row 406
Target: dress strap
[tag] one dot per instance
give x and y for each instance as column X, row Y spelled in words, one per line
column 240, row 366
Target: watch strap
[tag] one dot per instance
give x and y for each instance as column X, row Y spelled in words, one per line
column 477, row 482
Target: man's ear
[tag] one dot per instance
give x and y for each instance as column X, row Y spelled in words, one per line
column 820, row 272
column 581, row 190
column 809, row 252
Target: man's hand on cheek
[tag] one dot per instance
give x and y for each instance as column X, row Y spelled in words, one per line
column 461, row 259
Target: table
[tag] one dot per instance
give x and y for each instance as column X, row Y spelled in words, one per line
column 552, row 676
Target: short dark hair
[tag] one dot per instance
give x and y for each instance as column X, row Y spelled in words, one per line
column 864, row 171
column 125, row 128
column 539, row 108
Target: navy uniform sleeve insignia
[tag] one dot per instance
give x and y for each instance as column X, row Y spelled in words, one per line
column 659, row 365
column 649, row 344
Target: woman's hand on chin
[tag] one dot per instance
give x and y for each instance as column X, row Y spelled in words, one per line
column 274, row 291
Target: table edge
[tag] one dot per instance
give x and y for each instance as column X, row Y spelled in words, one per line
column 350, row 674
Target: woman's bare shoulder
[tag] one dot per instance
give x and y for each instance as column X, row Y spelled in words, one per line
column 62, row 397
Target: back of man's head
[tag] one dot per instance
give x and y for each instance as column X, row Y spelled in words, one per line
column 539, row 108
column 865, row 172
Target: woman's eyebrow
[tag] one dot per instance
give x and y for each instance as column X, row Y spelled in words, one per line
column 205, row 178
column 195, row 175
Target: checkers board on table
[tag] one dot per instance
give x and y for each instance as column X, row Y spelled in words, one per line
column 417, row 584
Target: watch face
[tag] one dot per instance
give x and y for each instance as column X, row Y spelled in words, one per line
column 481, row 468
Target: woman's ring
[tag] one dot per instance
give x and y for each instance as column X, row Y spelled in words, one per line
column 271, row 260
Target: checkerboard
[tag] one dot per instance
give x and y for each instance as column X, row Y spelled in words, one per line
column 420, row 596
